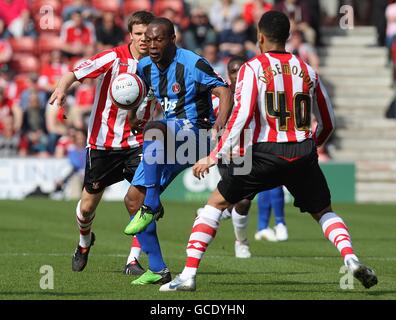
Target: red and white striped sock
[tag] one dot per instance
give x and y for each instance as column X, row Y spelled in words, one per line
column 84, row 225
column 135, row 250
column 203, row 232
column 336, row 231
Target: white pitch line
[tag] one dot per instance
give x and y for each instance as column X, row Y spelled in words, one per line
column 30, row 254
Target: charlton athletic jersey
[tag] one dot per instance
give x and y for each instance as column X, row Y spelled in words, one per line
column 184, row 87
column 275, row 95
column 109, row 127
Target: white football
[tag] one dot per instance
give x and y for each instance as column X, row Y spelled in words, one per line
column 127, row 91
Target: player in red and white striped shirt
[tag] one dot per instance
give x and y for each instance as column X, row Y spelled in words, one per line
column 114, row 148
column 274, row 97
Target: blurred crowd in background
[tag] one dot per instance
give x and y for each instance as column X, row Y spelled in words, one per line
column 42, row 39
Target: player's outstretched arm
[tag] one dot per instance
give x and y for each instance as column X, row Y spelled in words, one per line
column 324, row 113
column 225, row 105
column 59, row 95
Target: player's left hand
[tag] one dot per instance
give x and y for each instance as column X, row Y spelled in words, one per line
column 201, row 168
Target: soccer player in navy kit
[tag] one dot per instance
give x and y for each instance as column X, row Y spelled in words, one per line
column 182, row 82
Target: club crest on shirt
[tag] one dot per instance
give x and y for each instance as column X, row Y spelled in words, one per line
column 95, row 185
column 176, row 88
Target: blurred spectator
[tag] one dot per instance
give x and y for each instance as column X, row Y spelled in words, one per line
column 314, row 19
column 298, row 46
column 76, row 35
column 76, row 154
column 108, row 33
column 64, row 143
column 199, row 32
column 378, row 19
column 330, row 11
column 173, row 16
column 34, row 128
column 223, row 14
column 32, row 88
column 211, row 53
column 299, row 14
column 11, row 142
column 5, row 53
column 391, row 111
column 391, row 25
column 235, row 41
column 51, row 72
column 29, row 29
column 81, row 109
column 56, row 124
column 254, row 9
column 4, row 34
column 9, row 109
column 15, row 15
column 34, row 115
column 88, row 12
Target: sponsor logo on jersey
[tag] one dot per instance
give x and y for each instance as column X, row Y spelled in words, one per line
column 95, row 185
column 85, row 64
column 168, row 105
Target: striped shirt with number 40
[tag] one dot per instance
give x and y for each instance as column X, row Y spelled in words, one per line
column 275, row 96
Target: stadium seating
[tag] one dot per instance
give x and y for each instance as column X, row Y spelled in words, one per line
column 161, row 5
column 107, row 5
column 24, row 63
column 48, row 42
column 23, row 45
column 135, row 5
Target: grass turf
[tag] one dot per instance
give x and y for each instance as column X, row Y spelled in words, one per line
column 39, row 232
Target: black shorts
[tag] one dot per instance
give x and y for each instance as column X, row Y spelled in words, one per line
column 223, row 169
column 106, row 167
column 294, row 165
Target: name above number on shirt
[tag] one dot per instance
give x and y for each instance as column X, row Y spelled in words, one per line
column 301, row 110
column 285, row 69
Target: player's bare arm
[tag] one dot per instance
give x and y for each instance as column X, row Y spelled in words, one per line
column 225, row 105
column 59, row 95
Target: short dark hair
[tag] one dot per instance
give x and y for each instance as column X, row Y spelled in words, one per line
column 139, row 17
column 275, row 25
column 235, row 59
column 165, row 22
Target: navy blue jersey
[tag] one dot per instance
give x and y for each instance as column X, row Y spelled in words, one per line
column 184, row 87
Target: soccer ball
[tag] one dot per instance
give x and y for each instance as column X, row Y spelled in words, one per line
column 127, row 91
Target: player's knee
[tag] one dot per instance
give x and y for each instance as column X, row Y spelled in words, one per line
column 243, row 206
column 87, row 208
column 317, row 216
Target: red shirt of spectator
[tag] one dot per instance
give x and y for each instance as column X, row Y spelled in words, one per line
column 253, row 9
column 76, row 31
column 5, row 110
column 85, row 95
column 5, row 52
column 51, row 73
column 10, row 10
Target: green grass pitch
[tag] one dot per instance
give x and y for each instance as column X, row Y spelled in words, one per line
column 39, row 232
